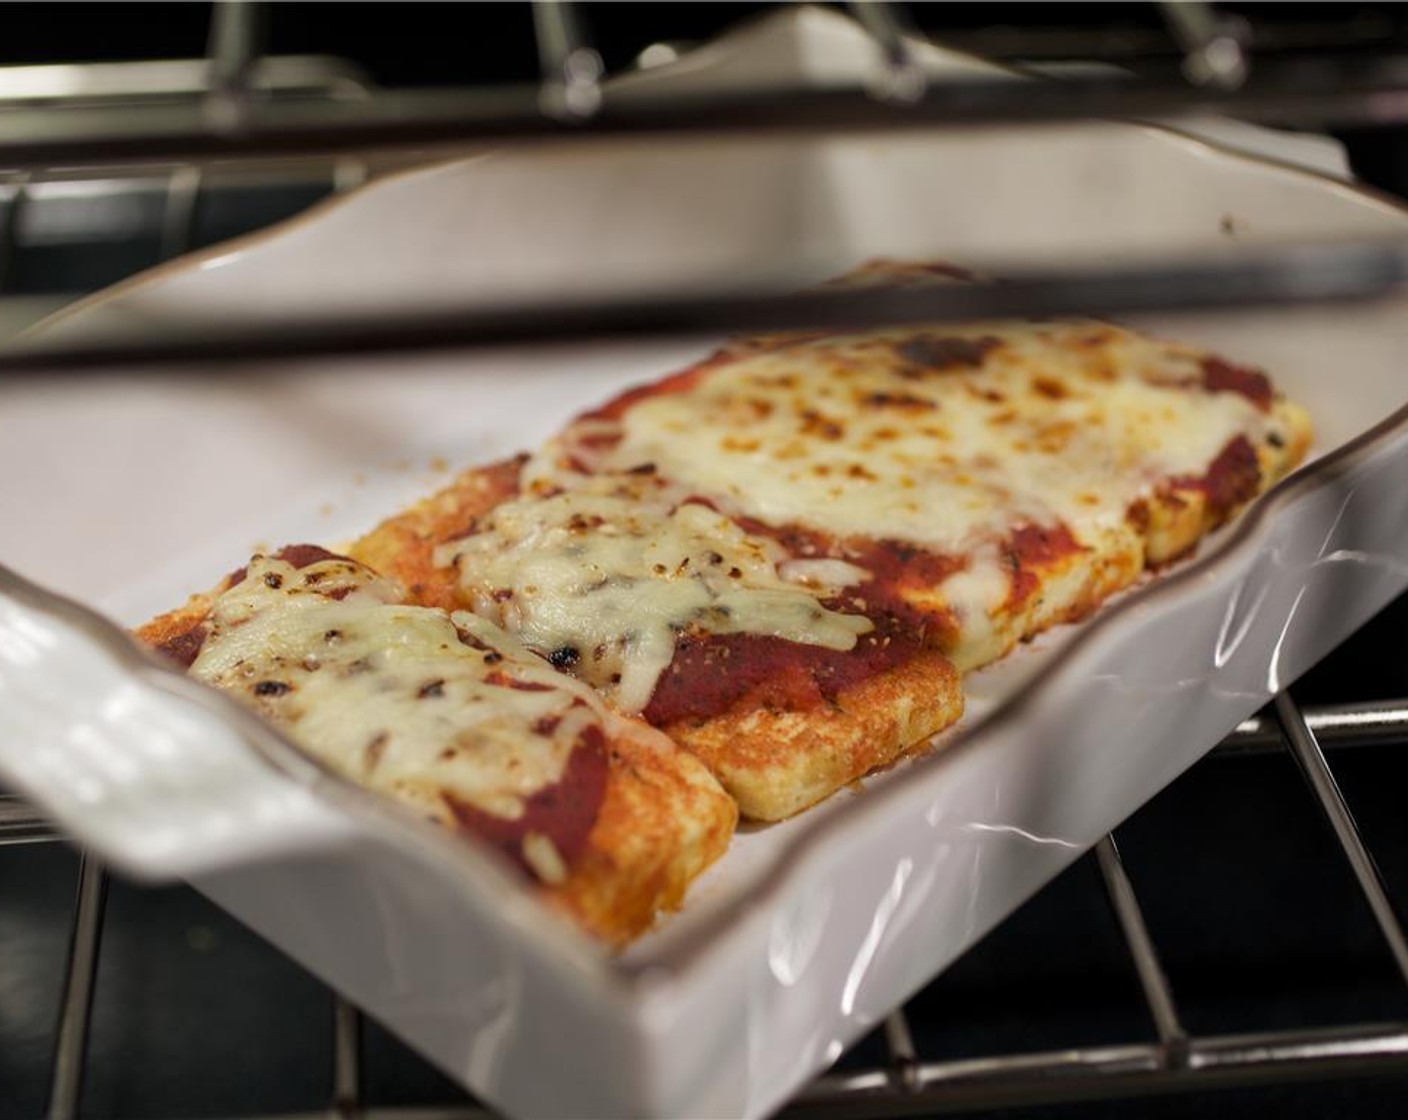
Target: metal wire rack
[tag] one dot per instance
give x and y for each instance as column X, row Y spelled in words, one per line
column 159, row 128
column 908, row 1083
column 237, row 114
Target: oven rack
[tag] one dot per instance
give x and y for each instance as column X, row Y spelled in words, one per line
column 250, row 108
column 1219, row 72
column 156, row 211
column 908, row 1084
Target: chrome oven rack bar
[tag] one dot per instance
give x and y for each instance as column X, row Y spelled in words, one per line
column 237, row 113
column 1284, row 276
column 567, row 106
column 231, row 108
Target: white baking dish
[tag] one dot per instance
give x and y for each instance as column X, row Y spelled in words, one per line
column 129, row 492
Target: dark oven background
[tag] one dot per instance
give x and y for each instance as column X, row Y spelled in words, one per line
column 1248, row 898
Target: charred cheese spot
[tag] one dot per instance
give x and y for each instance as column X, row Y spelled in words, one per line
column 934, row 352
column 900, row 401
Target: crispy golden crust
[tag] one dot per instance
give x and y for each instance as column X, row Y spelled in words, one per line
column 168, row 629
column 776, row 762
column 403, row 546
column 1179, row 516
column 663, row 819
column 662, row 822
column 174, row 624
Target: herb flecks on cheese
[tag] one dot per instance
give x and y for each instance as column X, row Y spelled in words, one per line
column 434, row 708
column 605, row 575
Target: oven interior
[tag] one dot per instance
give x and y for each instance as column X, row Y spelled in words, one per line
column 1232, row 949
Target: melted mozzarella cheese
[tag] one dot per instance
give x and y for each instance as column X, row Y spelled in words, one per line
column 605, row 576
column 390, row 695
column 977, row 593
column 856, row 436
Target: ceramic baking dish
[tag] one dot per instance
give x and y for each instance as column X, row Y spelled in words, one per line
column 127, row 492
